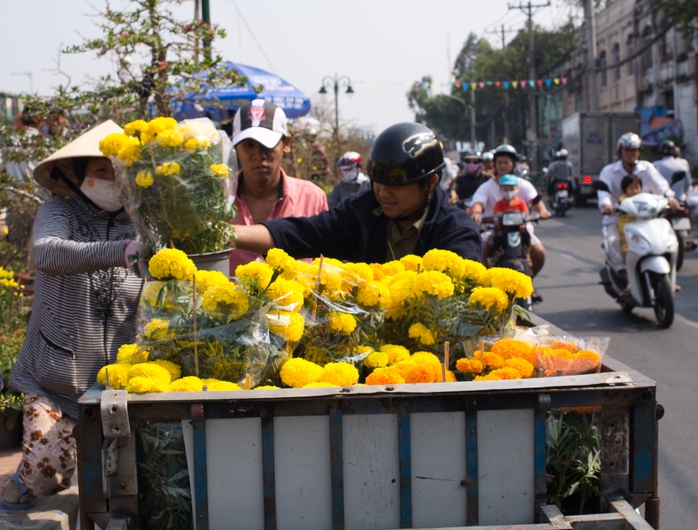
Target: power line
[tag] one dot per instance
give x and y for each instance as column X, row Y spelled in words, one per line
column 271, row 67
column 503, row 33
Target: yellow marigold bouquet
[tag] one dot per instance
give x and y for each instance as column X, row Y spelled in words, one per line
column 212, row 327
column 176, row 182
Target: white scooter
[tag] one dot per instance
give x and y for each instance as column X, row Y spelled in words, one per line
column 650, row 260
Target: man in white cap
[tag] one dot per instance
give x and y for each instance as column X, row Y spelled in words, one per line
column 264, row 191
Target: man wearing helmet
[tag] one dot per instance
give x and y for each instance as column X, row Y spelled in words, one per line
column 629, row 146
column 489, row 194
column 560, row 170
column 488, row 163
column 671, row 164
column 407, row 213
column 353, row 180
column 469, row 180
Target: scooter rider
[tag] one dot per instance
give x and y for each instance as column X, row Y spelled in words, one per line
column 669, row 165
column 629, row 146
column 560, row 170
column 488, row 194
column 353, row 180
column 488, row 163
column 469, row 180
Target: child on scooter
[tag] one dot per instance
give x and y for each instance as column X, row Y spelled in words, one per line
column 631, row 185
column 509, row 188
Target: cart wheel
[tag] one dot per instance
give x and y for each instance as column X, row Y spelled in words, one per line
column 663, row 299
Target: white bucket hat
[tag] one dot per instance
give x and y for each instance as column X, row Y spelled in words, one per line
column 86, row 145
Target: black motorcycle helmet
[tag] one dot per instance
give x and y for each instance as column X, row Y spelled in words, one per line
column 405, row 153
column 471, row 156
column 667, row 148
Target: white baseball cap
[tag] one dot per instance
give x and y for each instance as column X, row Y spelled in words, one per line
column 261, row 121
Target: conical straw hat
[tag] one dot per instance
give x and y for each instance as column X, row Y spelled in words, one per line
column 85, row 145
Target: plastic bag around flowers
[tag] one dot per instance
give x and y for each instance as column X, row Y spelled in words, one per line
column 177, row 182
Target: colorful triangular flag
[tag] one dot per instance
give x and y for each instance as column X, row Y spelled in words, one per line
column 457, row 85
column 522, row 83
column 556, row 80
column 539, row 82
column 506, row 84
column 548, row 82
column 515, row 84
column 497, row 83
column 481, row 84
column 564, row 80
column 531, row 82
column 465, row 86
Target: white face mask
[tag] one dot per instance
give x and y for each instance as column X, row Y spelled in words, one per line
column 509, row 195
column 349, row 175
column 104, row 193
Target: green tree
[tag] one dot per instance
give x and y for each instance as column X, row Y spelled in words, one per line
column 682, row 13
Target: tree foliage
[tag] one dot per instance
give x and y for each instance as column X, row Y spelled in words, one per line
column 682, row 13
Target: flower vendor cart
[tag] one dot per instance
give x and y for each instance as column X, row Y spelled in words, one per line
column 458, row 454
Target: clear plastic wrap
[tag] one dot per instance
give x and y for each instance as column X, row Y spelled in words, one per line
column 177, row 183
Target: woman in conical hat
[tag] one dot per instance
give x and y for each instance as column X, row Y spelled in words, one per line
column 84, row 308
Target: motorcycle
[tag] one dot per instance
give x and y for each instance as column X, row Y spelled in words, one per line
column 681, row 222
column 562, row 199
column 650, row 260
column 511, row 244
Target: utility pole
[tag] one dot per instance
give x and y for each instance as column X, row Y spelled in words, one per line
column 503, row 33
column 197, row 17
column 206, row 17
column 590, row 23
column 473, row 138
column 532, row 130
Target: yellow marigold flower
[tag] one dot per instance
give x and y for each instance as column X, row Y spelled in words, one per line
column 319, row 384
column 451, row 377
column 266, row 387
column 174, row 369
column 171, row 263
column 130, row 151
column 129, row 354
column 424, row 358
column 168, row 169
column 520, row 365
column 488, row 297
column 289, row 325
column 473, row 271
column 506, row 373
column 118, row 375
column 403, row 366
column 392, row 268
column 488, row 377
column 144, row 178
column 489, row 359
column 205, row 279
column 584, row 361
column 510, row 348
column 286, row 293
column 377, row 359
column 513, row 282
column 201, row 130
column 135, row 127
column 151, row 370
column 112, row 144
column 395, row 353
column 330, row 279
column 357, row 274
column 255, row 276
column 196, row 145
column 339, row 374
column 225, row 302
column 283, row 263
column 156, row 328
column 186, row 384
column 378, row 273
column 420, row 332
column 420, row 373
column 219, row 170
column 469, row 366
column 444, row 261
column 342, row 323
column 170, row 138
column 161, row 124
column 218, row 386
column 434, row 283
column 373, row 294
column 145, row 385
column 565, row 344
column 297, row 372
column 385, row 376
column 412, row 262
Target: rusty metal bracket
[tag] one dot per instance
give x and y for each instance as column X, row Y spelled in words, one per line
column 114, row 410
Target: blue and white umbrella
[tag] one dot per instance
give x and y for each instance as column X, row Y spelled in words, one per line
column 221, row 103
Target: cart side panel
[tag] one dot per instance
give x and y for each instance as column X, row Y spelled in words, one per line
column 438, row 469
column 302, row 472
column 507, row 469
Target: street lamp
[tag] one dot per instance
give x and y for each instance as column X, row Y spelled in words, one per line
column 335, row 83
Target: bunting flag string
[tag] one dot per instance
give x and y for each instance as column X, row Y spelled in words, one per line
column 479, row 85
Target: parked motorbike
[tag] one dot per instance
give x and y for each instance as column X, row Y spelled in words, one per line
column 650, row 260
column 562, row 199
column 511, row 244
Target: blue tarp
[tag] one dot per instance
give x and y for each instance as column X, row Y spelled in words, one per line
column 654, row 131
column 222, row 102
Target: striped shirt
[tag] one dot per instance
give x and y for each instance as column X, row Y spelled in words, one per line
column 85, row 301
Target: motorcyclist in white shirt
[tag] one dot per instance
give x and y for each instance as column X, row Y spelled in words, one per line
column 488, row 194
column 670, row 164
column 629, row 149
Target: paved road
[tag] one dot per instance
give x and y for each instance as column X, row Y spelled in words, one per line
column 574, row 301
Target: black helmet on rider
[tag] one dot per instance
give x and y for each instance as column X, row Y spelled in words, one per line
column 472, row 156
column 405, row 153
column 667, row 148
column 629, row 141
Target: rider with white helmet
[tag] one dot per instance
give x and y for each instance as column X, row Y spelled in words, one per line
column 353, row 180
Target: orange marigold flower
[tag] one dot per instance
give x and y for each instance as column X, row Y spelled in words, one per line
column 510, row 348
column 554, row 362
column 450, row 377
column 584, row 361
column 469, row 366
column 520, row 365
column 506, row 373
column 565, row 345
column 488, row 377
column 489, row 359
column 385, row 376
column 420, row 373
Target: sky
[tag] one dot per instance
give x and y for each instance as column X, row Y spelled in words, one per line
column 383, row 46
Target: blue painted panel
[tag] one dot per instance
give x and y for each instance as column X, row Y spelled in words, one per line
column 405, row 454
column 200, row 474
column 472, row 472
column 337, row 465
